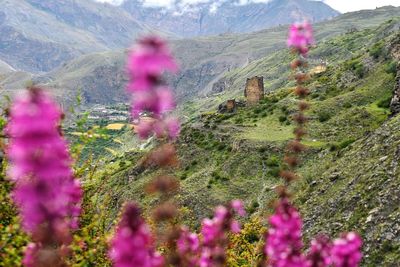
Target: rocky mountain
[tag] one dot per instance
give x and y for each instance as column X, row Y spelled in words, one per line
column 209, row 65
column 38, row 36
column 216, row 17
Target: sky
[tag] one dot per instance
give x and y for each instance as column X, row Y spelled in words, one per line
column 340, row 5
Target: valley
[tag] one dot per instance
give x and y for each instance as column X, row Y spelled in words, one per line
column 228, row 147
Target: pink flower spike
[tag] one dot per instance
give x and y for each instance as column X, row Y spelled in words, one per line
column 132, row 244
column 147, row 62
column 320, row 252
column 165, row 99
column 145, row 128
column 235, row 227
column 301, row 37
column 238, row 207
column 346, row 251
column 283, row 240
column 46, row 192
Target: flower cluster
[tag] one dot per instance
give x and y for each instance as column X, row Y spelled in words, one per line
column 132, row 244
column 284, row 243
column 283, row 240
column 188, row 245
column 346, row 250
column 301, row 37
column 214, row 232
column 146, row 65
column 46, row 193
column 320, row 250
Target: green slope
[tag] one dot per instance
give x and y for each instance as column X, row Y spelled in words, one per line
column 350, row 175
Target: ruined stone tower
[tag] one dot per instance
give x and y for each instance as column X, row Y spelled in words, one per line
column 254, row 90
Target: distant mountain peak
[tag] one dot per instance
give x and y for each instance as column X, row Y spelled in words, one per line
column 216, row 17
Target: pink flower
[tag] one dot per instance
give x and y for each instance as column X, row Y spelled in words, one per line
column 132, row 244
column 30, row 254
column 320, row 252
column 346, row 250
column 301, row 37
column 238, row 207
column 188, row 245
column 283, row 240
column 146, row 64
column 187, row 242
column 214, row 232
column 46, row 191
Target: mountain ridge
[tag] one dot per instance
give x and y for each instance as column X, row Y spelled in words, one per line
column 211, row 18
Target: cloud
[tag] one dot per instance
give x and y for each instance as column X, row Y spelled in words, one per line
column 354, row 5
column 341, row 5
column 173, row 3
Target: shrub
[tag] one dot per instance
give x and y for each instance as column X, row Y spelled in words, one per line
column 356, row 66
column 239, row 120
column 346, row 143
column 282, row 118
column 385, row 103
column 377, row 50
column 324, row 116
column 347, row 105
column 273, row 161
column 274, row 171
column 391, row 68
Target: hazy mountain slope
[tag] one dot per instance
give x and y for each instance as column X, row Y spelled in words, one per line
column 5, row 68
column 228, row 16
column 205, row 61
column 110, row 25
column 38, row 36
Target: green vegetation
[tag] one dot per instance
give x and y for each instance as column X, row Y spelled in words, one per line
column 350, row 169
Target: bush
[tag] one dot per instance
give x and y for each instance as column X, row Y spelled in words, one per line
column 377, row 50
column 324, row 116
column 282, row 118
column 239, row 120
column 391, row 68
column 346, row 143
column 347, row 105
column 274, row 171
column 356, row 66
column 385, row 103
column 273, row 161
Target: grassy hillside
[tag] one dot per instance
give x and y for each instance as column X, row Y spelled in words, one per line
column 350, row 176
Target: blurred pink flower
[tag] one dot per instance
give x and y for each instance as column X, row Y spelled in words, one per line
column 146, row 65
column 46, row 190
column 283, row 240
column 215, row 231
column 346, row 251
column 147, row 62
column 132, row 244
column 320, row 252
column 301, row 37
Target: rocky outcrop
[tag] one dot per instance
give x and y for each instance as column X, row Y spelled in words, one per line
column 395, row 103
column 395, row 52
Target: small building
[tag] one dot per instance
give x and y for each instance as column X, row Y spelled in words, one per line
column 228, row 107
column 254, row 90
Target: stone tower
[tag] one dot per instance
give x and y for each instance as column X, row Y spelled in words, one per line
column 254, row 91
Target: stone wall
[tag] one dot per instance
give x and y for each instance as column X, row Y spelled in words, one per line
column 254, row 90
